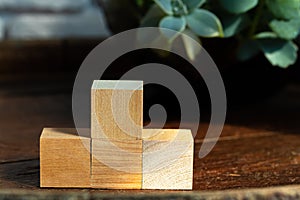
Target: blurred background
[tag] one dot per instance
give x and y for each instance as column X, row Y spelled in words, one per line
column 43, row 43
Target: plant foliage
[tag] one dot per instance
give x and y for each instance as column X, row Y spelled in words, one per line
column 268, row 26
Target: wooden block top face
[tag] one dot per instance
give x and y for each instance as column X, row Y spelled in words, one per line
column 116, row 114
column 116, row 164
column 117, row 85
column 166, row 134
column 64, row 159
column 65, row 133
column 168, row 159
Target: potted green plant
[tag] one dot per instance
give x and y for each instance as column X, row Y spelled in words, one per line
column 251, row 41
column 269, row 26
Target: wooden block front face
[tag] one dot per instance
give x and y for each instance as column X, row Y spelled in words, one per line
column 116, row 164
column 64, row 159
column 167, row 159
column 116, row 110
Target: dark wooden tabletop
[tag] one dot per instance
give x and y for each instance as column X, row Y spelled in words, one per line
column 259, row 146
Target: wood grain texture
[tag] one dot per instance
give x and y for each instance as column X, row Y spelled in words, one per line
column 64, row 159
column 116, row 164
column 281, row 193
column 259, row 147
column 117, row 110
column 244, row 162
column 168, row 159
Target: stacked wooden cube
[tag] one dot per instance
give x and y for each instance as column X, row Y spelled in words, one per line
column 117, row 153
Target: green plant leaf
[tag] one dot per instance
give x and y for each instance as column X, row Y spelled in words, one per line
column 204, row 23
column 191, row 44
column 165, row 5
column 193, row 4
column 174, row 23
column 286, row 29
column 234, row 24
column 264, row 35
column 179, row 8
column 247, row 50
column 238, row 6
column 279, row 52
column 152, row 17
column 285, row 9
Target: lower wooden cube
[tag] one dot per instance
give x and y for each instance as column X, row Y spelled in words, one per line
column 168, row 159
column 64, row 159
column 116, row 164
column 163, row 159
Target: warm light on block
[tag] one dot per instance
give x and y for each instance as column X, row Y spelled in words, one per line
column 168, row 159
column 116, row 164
column 117, row 109
column 117, row 153
column 64, row 159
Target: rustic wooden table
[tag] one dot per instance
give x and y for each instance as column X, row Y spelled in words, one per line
column 259, row 148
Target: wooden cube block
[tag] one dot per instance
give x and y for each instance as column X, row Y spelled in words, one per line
column 124, row 156
column 168, row 159
column 64, row 159
column 116, row 164
column 117, row 110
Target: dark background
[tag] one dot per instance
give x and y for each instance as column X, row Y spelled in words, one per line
column 50, row 66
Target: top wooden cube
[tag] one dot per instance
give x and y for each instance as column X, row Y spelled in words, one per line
column 117, row 110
